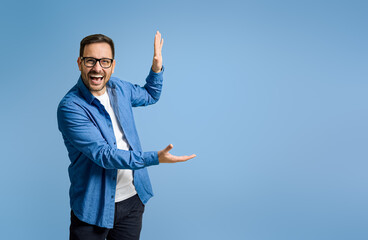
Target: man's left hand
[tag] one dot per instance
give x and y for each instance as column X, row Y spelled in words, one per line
column 157, row 57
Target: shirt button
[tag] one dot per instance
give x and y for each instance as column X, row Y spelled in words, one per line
column 114, row 143
column 113, row 178
column 112, row 196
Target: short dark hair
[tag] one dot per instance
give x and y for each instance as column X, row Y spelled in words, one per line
column 96, row 38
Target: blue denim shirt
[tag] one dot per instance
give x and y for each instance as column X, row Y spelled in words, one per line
column 94, row 158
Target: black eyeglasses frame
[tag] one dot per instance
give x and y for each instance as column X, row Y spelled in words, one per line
column 97, row 60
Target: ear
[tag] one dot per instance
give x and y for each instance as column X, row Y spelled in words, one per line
column 79, row 61
column 113, row 66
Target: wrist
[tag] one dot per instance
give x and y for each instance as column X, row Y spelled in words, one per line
column 156, row 69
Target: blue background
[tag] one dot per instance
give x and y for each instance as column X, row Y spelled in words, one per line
column 270, row 95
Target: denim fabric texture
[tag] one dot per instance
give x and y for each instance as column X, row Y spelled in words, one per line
column 94, row 158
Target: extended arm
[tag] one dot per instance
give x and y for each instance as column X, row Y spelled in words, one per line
column 84, row 136
column 150, row 93
column 153, row 87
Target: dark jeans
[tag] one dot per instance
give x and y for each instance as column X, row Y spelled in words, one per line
column 127, row 223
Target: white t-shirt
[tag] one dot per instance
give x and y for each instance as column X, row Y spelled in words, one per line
column 124, row 182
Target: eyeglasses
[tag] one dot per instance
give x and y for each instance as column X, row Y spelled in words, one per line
column 91, row 62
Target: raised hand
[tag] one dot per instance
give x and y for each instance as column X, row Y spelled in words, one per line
column 157, row 56
column 165, row 157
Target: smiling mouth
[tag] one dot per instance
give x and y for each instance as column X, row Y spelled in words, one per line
column 96, row 79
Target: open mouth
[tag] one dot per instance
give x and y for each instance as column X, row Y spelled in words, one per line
column 96, row 79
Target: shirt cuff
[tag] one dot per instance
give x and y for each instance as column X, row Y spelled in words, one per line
column 159, row 73
column 150, row 158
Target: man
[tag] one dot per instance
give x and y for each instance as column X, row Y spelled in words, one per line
column 108, row 175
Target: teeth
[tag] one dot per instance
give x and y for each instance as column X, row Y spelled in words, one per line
column 96, row 76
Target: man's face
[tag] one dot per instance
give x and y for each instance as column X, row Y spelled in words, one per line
column 96, row 77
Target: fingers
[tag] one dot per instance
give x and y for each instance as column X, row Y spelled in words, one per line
column 182, row 158
column 168, row 148
column 158, row 43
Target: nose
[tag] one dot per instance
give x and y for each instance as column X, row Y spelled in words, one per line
column 97, row 67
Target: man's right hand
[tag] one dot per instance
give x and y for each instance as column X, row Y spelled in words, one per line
column 165, row 157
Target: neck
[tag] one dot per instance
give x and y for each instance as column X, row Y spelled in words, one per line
column 99, row 92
